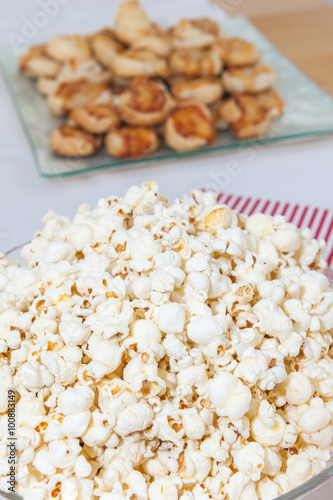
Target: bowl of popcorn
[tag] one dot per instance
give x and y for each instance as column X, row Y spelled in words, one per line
column 166, row 351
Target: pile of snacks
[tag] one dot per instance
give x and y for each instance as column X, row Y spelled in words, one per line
column 133, row 85
column 166, row 351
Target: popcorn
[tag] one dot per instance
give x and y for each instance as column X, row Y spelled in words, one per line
column 58, row 250
column 299, row 469
column 222, row 217
column 299, row 388
column 99, row 429
column 75, row 425
column 194, row 467
column 260, row 225
column 268, row 434
column 229, row 395
column 250, row 459
column 106, row 356
column 314, row 419
column 75, row 400
column 63, row 453
column 43, row 462
column 171, row 318
column 272, row 319
column 193, row 424
column 166, row 351
column 203, row 330
column 146, row 329
column 134, row 418
column 163, row 489
column 72, row 331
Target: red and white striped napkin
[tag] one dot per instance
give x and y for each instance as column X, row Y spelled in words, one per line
column 319, row 220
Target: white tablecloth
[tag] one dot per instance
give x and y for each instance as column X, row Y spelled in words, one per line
column 300, row 172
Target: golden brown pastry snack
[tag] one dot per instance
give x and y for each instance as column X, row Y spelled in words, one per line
column 193, row 63
column 71, row 141
column 189, row 127
column 46, row 86
column 63, row 48
column 131, row 22
column 194, row 33
column 138, row 62
column 250, row 79
column 246, row 117
column 131, row 142
column 238, row 52
column 37, row 63
column 207, row 90
column 157, row 42
column 272, row 102
column 72, row 95
column 96, row 118
column 105, row 47
column 146, row 102
column 89, row 69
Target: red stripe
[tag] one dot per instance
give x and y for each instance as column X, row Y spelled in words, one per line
column 321, row 223
column 329, row 230
column 293, row 213
column 254, row 206
column 227, row 200
column 301, row 220
column 285, row 208
column 264, row 208
column 313, row 218
column 275, row 208
column 236, row 202
column 244, row 206
column 330, row 258
column 220, row 196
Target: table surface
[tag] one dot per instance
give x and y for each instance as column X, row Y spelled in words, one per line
column 293, row 172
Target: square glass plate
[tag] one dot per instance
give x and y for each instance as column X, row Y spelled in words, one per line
column 308, row 113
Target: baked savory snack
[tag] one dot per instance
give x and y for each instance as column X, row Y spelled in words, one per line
column 194, row 33
column 189, row 127
column 95, row 118
column 145, row 102
column 245, row 115
column 46, row 86
column 131, row 142
column 36, row 63
column 72, row 141
column 250, row 79
column 238, row 52
column 219, row 123
column 88, row 69
column 272, row 102
column 207, row 90
column 138, row 62
column 193, row 63
column 138, row 74
column 70, row 95
column 105, row 47
column 63, row 48
column 158, row 42
column 131, row 22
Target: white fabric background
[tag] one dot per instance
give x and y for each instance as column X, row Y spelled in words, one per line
column 300, row 173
